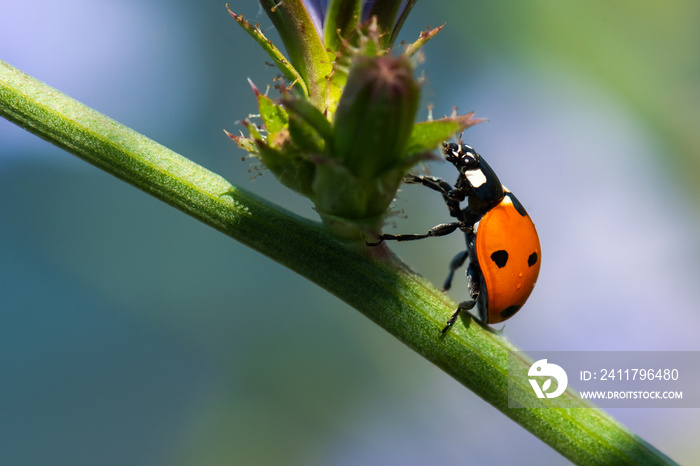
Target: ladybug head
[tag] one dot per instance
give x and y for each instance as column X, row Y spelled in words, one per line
column 462, row 156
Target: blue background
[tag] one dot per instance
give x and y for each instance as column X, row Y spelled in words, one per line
column 132, row 334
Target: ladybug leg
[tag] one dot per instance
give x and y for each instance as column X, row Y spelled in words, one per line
column 473, row 285
column 451, row 195
column 434, row 183
column 455, row 264
column 438, row 230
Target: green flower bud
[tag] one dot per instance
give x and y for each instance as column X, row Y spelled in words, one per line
column 375, row 115
column 343, row 133
column 361, row 170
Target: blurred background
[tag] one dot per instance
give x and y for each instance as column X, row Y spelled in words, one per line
column 132, row 334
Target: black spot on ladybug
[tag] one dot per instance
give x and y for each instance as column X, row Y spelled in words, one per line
column 509, row 311
column 532, row 260
column 516, row 203
column 500, row 257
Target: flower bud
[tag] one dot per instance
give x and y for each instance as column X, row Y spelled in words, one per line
column 375, row 115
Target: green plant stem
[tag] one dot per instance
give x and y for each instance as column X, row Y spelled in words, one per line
column 372, row 280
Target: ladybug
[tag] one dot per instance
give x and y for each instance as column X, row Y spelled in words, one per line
column 503, row 248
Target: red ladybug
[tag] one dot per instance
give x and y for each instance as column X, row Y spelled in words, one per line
column 502, row 244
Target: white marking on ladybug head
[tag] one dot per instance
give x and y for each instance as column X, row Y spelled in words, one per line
column 468, row 154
